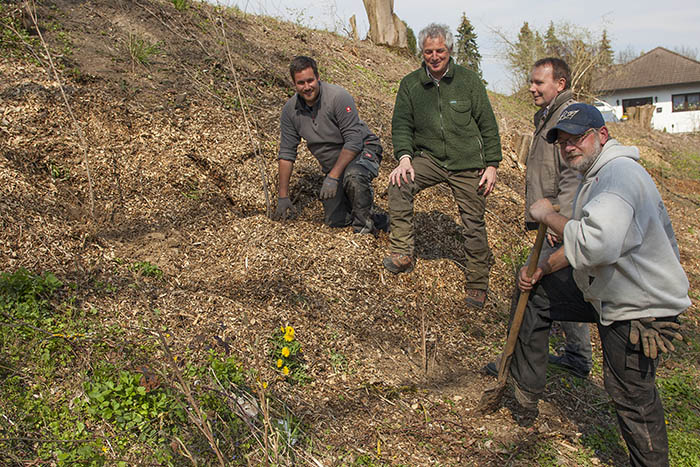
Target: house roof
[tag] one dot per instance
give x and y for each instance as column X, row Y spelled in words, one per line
column 657, row 67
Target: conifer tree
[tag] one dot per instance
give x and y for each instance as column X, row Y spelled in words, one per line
column 467, row 52
column 606, row 53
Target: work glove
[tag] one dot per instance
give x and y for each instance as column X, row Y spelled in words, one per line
column 329, row 187
column 284, row 205
column 654, row 335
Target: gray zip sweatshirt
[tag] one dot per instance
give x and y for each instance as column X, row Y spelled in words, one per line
column 621, row 244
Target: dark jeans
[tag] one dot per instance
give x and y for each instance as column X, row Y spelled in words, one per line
column 352, row 204
column 629, row 376
column 472, row 205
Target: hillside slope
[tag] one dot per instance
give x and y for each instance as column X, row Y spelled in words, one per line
column 176, row 181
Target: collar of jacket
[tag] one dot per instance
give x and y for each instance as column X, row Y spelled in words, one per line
column 426, row 79
column 562, row 97
column 301, row 103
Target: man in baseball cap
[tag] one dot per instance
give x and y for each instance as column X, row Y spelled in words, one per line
column 620, row 268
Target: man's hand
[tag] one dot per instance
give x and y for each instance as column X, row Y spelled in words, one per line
column 329, row 187
column 284, row 205
column 402, row 171
column 552, row 239
column 488, row 179
column 541, row 209
column 654, row 335
column 525, row 282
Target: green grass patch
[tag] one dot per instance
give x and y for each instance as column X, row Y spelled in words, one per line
column 681, row 398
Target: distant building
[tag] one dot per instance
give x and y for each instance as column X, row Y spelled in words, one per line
column 665, row 79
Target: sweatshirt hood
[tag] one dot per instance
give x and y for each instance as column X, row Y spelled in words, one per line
column 611, row 150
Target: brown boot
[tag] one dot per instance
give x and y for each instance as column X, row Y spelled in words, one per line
column 476, row 298
column 397, row 262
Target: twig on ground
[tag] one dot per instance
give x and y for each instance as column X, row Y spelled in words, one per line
column 31, row 9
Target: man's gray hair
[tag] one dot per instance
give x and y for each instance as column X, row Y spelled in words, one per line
column 434, row 30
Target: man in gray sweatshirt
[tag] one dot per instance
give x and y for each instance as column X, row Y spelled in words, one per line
column 326, row 117
column 619, row 267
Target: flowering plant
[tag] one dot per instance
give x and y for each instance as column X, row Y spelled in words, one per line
column 286, row 353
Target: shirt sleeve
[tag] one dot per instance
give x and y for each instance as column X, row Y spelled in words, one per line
column 348, row 119
column 289, row 137
column 601, row 236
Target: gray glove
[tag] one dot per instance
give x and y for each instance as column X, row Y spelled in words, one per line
column 654, row 334
column 329, row 187
column 284, row 205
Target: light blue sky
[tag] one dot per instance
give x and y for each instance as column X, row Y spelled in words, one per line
column 641, row 25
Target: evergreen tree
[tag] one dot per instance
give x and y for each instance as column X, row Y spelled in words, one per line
column 467, row 52
column 522, row 54
column 552, row 45
column 606, row 53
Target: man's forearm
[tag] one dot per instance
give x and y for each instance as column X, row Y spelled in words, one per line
column 556, row 223
column 346, row 156
column 554, row 262
column 285, row 173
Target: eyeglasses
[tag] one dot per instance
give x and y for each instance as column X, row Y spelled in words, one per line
column 575, row 140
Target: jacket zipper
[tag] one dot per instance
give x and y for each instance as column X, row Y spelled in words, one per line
column 442, row 126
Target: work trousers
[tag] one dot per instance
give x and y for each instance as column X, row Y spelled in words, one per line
column 577, row 348
column 628, row 375
column 353, row 202
column 472, row 205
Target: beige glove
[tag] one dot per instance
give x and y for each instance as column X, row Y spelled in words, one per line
column 655, row 335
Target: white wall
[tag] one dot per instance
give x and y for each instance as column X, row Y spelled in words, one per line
column 666, row 119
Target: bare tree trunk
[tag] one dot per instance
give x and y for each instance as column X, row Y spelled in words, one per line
column 353, row 28
column 384, row 26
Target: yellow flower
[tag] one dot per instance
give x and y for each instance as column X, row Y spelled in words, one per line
column 104, row 448
column 279, row 363
column 289, row 334
column 285, row 352
column 285, row 371
column 264, row 384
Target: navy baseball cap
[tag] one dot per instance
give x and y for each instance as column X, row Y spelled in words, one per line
column 575, row 120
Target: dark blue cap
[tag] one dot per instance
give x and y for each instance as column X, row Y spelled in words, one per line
column 575, row 120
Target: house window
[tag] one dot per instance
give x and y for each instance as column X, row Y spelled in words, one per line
column 685, row 102
column 636, row 102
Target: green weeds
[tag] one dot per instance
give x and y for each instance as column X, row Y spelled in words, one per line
column 141, row 51
column 681, row 397
column 71, row 393
column 147, row 269
column 180, row 5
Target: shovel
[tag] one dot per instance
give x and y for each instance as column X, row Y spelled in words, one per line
column 491, row 398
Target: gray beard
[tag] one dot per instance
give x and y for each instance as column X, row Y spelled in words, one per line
column 587, row 162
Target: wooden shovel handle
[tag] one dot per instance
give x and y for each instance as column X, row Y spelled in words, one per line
column 522, row 303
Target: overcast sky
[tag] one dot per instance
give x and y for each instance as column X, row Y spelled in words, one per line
column 640, row 25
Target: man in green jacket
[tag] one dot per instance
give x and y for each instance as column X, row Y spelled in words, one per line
column 443, row 130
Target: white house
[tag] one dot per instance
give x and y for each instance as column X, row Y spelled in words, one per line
column 669, row 81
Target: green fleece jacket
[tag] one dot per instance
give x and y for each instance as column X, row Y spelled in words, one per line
column 451, row 121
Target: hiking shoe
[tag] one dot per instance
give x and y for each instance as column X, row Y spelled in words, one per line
column 476, row 298
column 563, row 363
column 525, row 399
column 397, row 263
